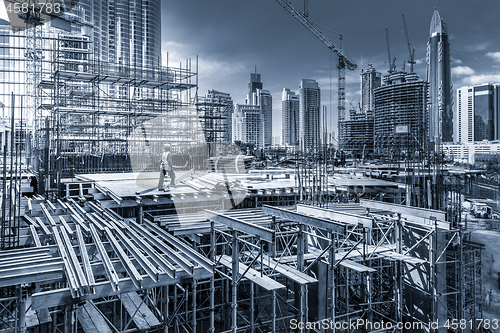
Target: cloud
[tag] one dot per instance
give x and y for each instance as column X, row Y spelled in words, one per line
column 494, row 55
column 214, row 71
column 480, row 79
column 462, row 70
column 456, row 61
column 477, row 47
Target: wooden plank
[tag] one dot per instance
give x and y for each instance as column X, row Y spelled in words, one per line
column 44, row 316
column 405, row 258
column 31, row 317
column 356, row 267
column 136, row 315
column 290, row 272
column 253, row 275
column 92, row 320
column 144, row 311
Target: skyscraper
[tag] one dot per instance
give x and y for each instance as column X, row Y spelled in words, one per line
column 439, row 78
column 476, row 118
column 310, row 104
column 253, row 85
column 370, row 79
column 127, row 32
column 265, row 101
column 248, row 125
column 399, row 121
column 290, row 104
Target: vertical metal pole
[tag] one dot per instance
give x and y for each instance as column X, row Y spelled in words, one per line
column 331, row 279
column 22, row 312
column 20, row 178
column 273, row 296
column 12, row 144
column 300, row 267
column 252, row 306
column 194, row 305
column 432, row 273
column 174, row 321
column 4, row 190
column 141, row 213
column 165, row 308
column 234, row 278
column 212, row 279
column 398, row 232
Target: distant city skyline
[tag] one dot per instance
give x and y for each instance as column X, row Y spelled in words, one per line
column 285, row 52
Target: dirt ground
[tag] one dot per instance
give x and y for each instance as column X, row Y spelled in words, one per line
column 491, row 269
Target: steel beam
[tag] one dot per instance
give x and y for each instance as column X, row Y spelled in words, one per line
column 404, row 210
column 316, row 222
column 265, row 234
column 108, row 266
column 129, row 266
column 187, row 250
column 336, row 215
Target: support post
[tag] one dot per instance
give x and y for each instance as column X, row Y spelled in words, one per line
column 234, row 282
column 212, row 280
column 165, row 308
column 194, row 304
column 252, row 307
column 331, row 280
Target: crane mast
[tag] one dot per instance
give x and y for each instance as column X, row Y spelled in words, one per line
column 343, row 63
column 392, row 62
column 410, row 49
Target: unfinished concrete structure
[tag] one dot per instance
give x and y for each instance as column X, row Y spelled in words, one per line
column 88, row 269
column 400, row 114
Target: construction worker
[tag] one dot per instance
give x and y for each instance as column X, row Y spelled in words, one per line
column 166, row 167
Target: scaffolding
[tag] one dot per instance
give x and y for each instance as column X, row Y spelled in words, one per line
column 87, row 269
column 93, row 113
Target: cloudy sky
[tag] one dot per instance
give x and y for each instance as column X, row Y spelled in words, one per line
column 231, row 37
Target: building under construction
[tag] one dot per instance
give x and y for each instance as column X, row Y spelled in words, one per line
column 400, row 115
column 92, row 245
column 111, row 265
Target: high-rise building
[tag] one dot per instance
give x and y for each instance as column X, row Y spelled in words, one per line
column 248, row 125
column 309, row 115
column 126, row 32
column 265, row 101
column 215, row 111
column 477, row 113
column 439, row 78
column 290, row 105
column 253, row 85
column 356, row 134
column 370, row 79
column 400, row 107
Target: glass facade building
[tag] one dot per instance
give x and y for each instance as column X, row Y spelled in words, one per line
column 476, row 117
column 125, row 32
column 290, row 104
column 439, row 78
column 309, row 118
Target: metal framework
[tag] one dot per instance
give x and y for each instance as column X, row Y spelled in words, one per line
column 101, row 115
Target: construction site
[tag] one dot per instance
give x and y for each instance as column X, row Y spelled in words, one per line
column 88, row 242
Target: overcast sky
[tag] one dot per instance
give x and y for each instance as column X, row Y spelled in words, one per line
column 231, row 37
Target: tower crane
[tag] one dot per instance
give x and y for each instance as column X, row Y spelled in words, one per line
column 392, row 62
column 343, row 63
column 411, row 50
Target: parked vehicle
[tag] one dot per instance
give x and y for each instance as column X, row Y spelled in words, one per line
column 481, row 210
